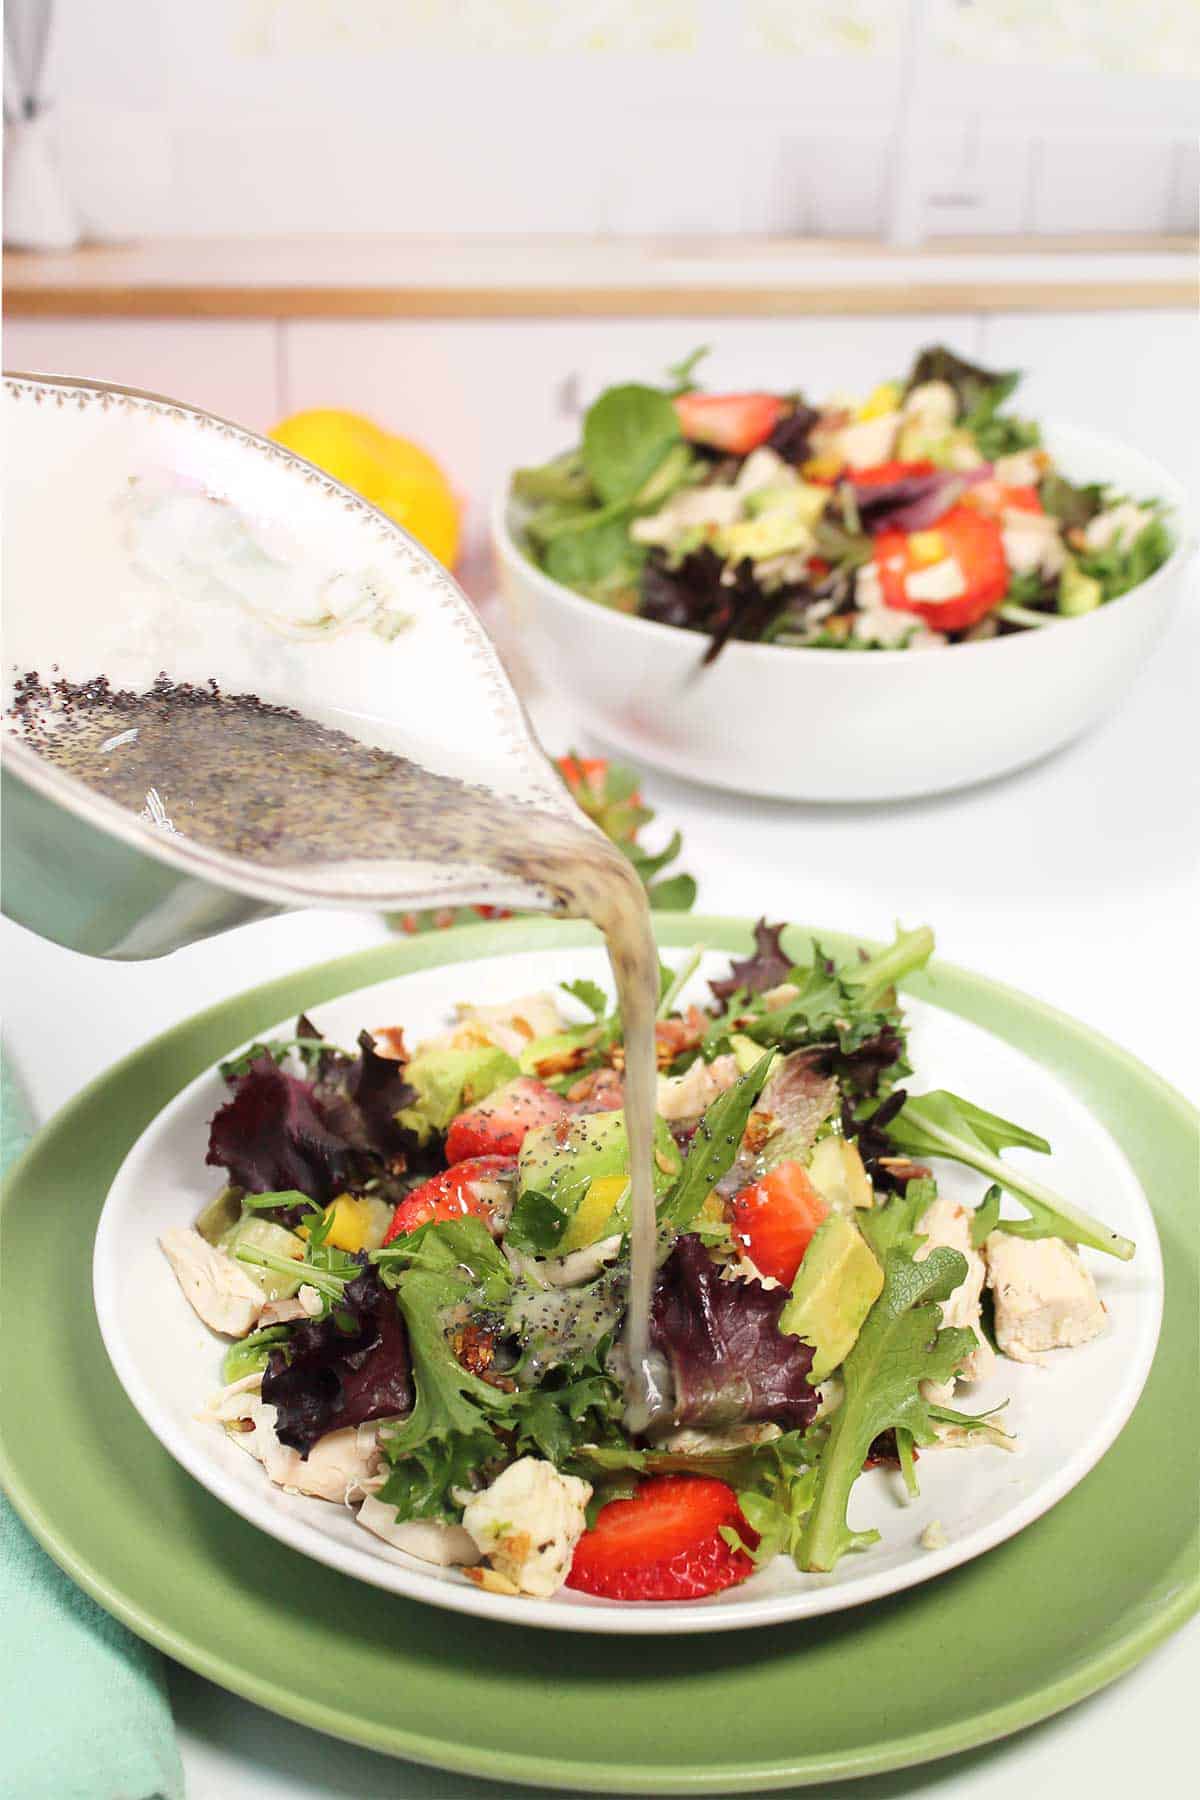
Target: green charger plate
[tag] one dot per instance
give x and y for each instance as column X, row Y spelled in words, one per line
column 1019, row 1633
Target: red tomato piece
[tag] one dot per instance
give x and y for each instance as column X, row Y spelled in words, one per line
column 976, row 544
column 775, row 1220
column 737, row 423
column 469, row 1190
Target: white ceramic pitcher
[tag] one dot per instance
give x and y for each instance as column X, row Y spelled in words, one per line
column 144, row 536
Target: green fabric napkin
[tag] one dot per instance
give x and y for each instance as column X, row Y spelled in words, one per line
column 84, row 1713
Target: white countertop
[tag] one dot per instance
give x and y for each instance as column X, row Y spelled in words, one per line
column 1077, row 880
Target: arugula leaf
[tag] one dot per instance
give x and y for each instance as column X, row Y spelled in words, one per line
column 714, row 1147
column 899, row 1347
column 679, row 375
column 893, row 1226
column 589, row 994
column 1072, row 506
column 626, row 434
column 940, row 1124
column 1118, row 568
column 563, row 478
column 986, row 1217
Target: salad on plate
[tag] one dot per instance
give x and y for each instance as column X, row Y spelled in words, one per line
column 419, row 1258
column 923, row 515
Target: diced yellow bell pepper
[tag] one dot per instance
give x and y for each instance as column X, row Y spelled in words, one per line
column 883, row 399
column 822, row 468
column 594, row 1211
column 351, row 1222
column 926, row 548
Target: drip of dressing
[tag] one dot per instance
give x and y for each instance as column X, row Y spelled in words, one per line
column 264, row 783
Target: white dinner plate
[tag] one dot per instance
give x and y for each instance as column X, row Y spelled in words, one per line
column 1064, row 1415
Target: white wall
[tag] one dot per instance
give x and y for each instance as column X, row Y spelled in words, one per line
column 672, row 116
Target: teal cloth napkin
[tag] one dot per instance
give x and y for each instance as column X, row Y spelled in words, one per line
column 84, row 1713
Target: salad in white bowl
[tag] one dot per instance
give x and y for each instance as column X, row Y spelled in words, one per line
column 921, row 515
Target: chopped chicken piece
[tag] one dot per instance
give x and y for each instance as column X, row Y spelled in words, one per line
column 428, row 1539
column 528, row 1523
column 1045, row 1298
column 709, row 505
column 336, row 1463
column 217, row 1288
column 305, row 1304
column 868, row 441
column 686, row 1096
column 1120, row 525
column 764, row 468
column 932, row 404
column 1018, row 470
column 947, row 1224
column 942, row 580
column 516, row 1023
column 579, row 1265
column 1032, row 542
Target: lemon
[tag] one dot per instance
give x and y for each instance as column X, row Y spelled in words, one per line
column 397, row 476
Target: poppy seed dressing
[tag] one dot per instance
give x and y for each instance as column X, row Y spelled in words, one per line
column 268, row 785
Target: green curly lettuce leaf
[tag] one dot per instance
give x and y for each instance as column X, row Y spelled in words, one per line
column 899, row 1347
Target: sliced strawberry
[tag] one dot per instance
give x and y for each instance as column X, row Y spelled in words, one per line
column 497, row 1126
column 469, row 1190
column 664, row 1543
column 977, row 545
column 774, row 1221
column 737, row 423
column 995, row 499
column 882, row 474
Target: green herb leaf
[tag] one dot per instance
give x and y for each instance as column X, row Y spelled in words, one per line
column 250, row 1354
column 714, row 1147
column 679, row 375
column 940, row 1124
column 589, row 994
column 626, row 434
column 536, row 1224
column 986, row 1217
column 899, row 1347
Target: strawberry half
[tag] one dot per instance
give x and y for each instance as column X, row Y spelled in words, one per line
column 497, row 1126
column 470, row 1190
column 737, row 423
column 775, row 1220
column 664, row 1543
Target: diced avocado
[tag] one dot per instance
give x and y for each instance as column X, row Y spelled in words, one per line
column 447, row 1081
column 220, row 1215
column 1077, row 593
column 563, row 1161
column 801, row 500
column 836, row 1171
column 835, row 1288
column 264, row 1234
column 747, row 1054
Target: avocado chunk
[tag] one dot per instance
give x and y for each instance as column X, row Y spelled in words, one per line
column 1077, row 593
column 835, row 1288
column 562, row 1161
column 447, row 1081
column 783, row 520
column 836, row 1171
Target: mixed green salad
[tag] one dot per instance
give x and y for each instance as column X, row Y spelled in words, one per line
column 420, row 1258
column 926, row 514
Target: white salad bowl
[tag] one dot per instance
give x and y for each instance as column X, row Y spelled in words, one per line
column 1063, row 1417
column 831, row 725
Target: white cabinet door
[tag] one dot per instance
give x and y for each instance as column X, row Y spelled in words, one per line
column 224, row 366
